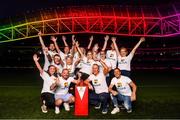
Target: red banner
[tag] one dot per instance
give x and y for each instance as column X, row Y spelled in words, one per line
column 81, row 101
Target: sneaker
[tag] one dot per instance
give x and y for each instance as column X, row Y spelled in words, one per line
column 115, row 110
column 66, row 106
column 104, row 111
column 44, row 107
column 129, row 111
column 57, row 111
column 98, row 106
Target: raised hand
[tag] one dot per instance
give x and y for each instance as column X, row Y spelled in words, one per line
column 63, row 37
column 73, row 39
column 91, row 38
column 35, row 57
column 113, row 39
column 142, row 39
column 53, row 38
column 106, row 38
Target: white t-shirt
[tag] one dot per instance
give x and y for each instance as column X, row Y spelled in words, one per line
column 63, row 56
column 124, row 63
column 87, row 66
column 112, row 57
column 99, row 83
column 52, row 53
column 58, row 67
column 122, row 85
column 63, row 85
column 48, row 81
column 80, row 64
column 70, row 68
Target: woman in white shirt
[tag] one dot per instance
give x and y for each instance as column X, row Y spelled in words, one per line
column 124, row 60
column 47, row 96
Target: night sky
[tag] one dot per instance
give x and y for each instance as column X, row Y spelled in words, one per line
column 10, row 8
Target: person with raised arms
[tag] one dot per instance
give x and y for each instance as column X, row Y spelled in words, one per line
column 49, row 77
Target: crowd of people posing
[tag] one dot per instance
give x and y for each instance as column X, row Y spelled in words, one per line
column 105, row 72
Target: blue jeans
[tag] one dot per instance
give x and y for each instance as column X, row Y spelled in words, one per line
column 125, row 99
column 102, row 98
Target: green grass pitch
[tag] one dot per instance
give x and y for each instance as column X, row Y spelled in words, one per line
column 158, row 96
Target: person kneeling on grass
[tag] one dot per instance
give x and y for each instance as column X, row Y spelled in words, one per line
column 61, row 87
column 123, row 93
column 99, row 97
column 47, row 96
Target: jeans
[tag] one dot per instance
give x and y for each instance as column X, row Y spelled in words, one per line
column 125, row 99
column 102, row 98
column 126, row 73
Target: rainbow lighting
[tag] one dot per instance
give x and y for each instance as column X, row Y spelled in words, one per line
column 114, row 20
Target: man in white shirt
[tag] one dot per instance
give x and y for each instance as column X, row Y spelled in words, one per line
column 101, row 94
column 61, row 88
column 124, row 93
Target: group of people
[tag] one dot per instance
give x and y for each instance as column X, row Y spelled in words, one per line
column 105, row 72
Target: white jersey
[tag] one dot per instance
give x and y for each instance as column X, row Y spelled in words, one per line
column 87, row 66
column 122, row 85
column 124, row 63
column 48, row 81
column 112, row 57
column 99, row 83
column 63, row 85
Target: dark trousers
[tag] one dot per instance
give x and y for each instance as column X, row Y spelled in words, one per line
column 126, row 73
column 111, row 74
column 102, row 98
column 49, row 99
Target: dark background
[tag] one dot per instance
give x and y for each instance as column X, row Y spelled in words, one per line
column 14, row 7
column 158, row 93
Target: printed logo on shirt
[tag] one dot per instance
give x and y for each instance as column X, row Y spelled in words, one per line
column 88, row 64
column 119, row 84
column 122, row 61
column 112, row 55
column 96, row 83
column 66, row 84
